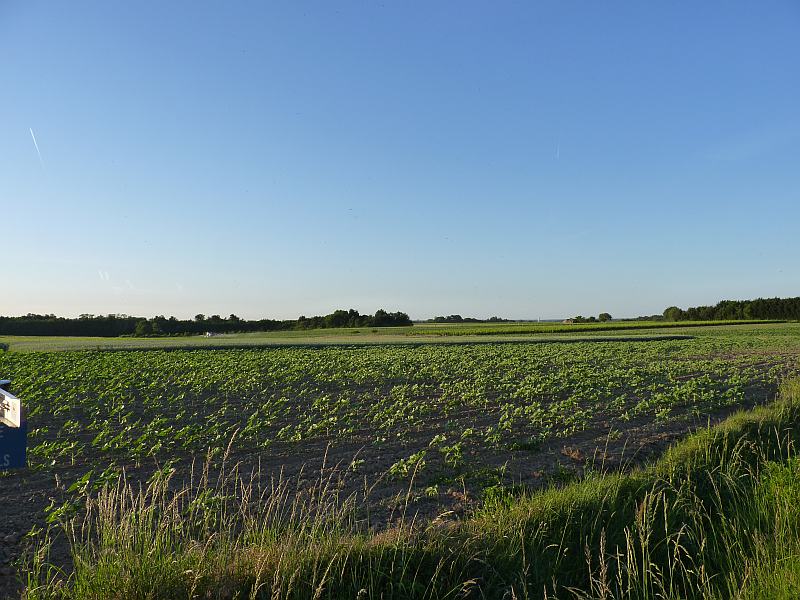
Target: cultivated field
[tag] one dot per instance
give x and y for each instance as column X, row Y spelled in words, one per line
column 420, row 333
column 426, row 432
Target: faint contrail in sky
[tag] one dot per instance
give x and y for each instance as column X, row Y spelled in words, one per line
column 35, row 145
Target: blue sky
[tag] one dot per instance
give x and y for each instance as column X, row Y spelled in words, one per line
column 531, row 159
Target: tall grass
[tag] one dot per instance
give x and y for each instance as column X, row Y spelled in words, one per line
column 716, row 517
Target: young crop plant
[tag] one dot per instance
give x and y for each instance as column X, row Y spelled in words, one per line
column 407, row 467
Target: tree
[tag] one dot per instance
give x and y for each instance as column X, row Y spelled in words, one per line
column 143, row 329
column 338, row 318
column 199, row 317
column 673, row 313
column 604, row 317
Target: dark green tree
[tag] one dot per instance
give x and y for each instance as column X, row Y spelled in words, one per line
column 143, row 328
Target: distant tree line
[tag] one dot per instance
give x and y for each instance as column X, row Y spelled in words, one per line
column 460, row 319
column 735, row 310
column 601, row 318
column 351, row 318
column 122, row 325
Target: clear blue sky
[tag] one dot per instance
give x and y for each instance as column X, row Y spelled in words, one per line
column 530, row 159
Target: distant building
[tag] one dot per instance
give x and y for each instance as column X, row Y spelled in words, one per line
column 568, row 321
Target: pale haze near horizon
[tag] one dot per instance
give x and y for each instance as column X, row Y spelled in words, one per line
column 522, row 160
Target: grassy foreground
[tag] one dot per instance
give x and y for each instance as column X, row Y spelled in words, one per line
column 716, row 517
